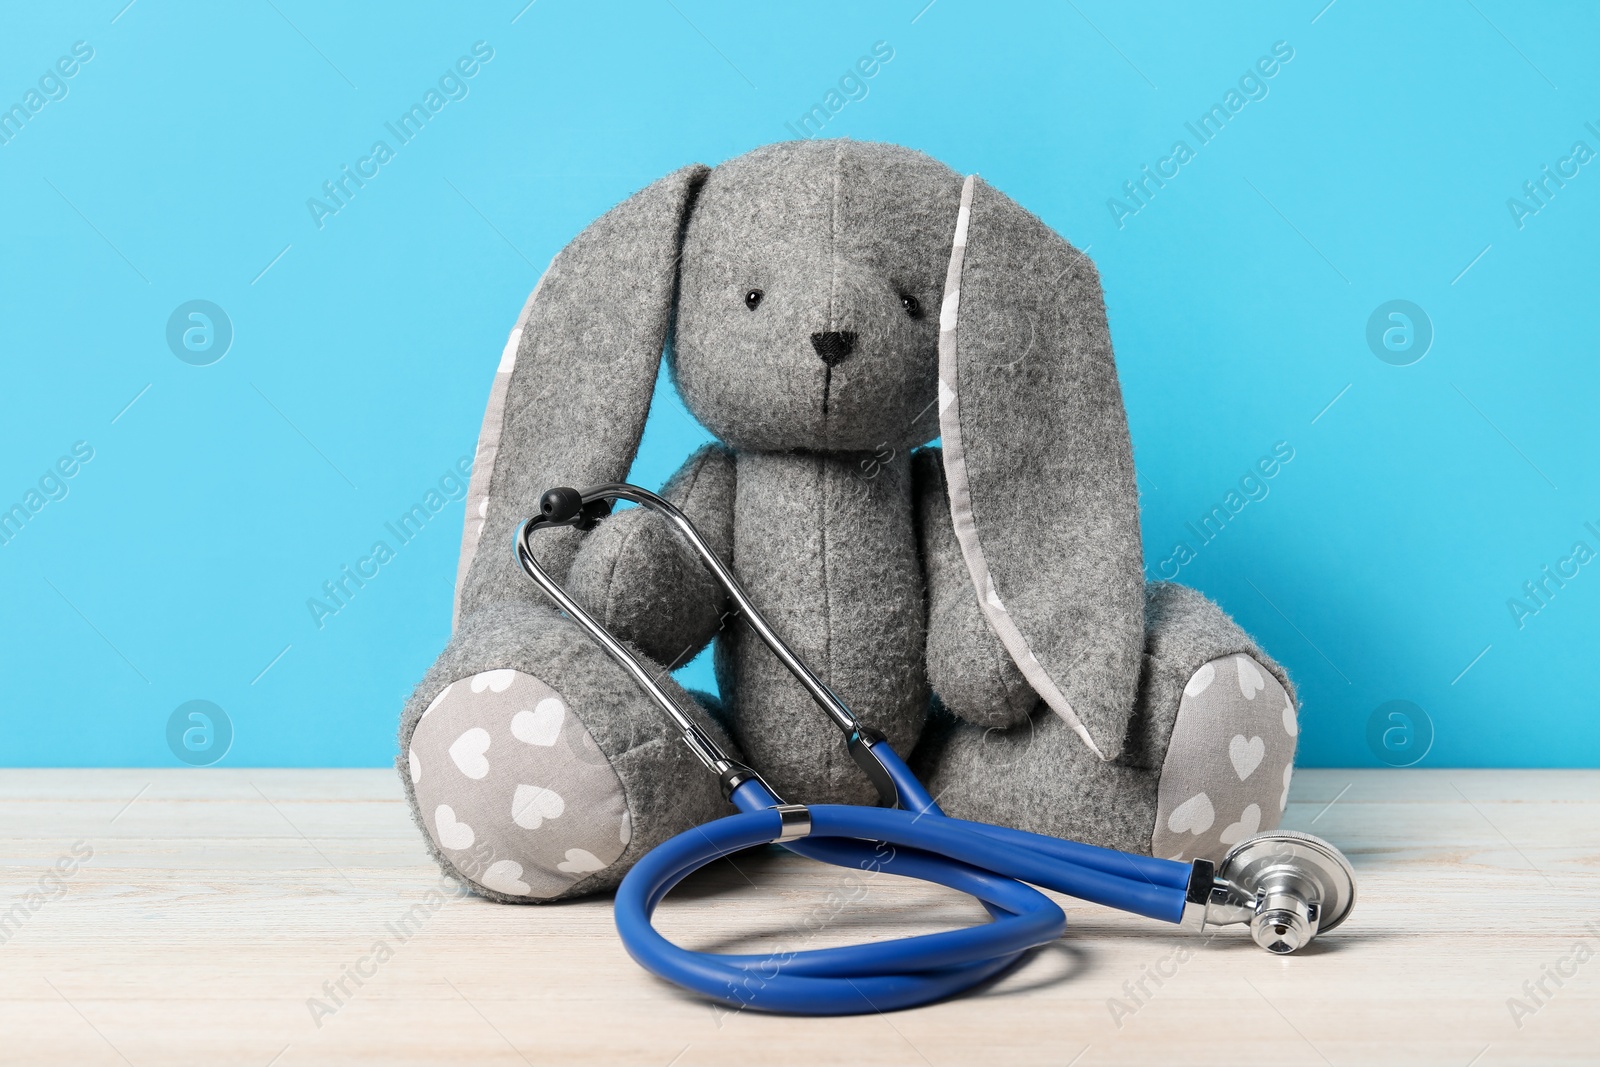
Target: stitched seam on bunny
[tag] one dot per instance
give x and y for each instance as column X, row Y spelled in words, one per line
column 960, row 493
column 608, row 617
column 833, row 289
column 833, row 234
column 830, row 758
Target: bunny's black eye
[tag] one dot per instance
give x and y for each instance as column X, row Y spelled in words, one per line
column 752, row 299
column 912, row 305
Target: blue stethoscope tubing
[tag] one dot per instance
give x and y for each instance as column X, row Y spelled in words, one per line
column 992, row 863
column 998, row 866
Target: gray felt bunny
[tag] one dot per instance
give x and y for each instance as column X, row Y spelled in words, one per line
column 827, row 309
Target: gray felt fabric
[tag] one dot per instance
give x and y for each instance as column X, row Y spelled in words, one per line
column 1038, row 776
column 583, row 377
column 833, row 233
column 1183, row 630
column 637, row 575
column 827, row 551
column 803, row 285
column 1039, row 463
column 665, row 790
column 974, row 675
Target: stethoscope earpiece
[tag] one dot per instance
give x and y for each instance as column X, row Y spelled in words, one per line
column 560, row 504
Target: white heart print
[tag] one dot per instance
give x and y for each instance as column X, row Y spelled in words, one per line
column 1246, row 755
column 1200, row 680
column 452, row 833
column 508, row 354
column 1288, row 773
column 436, row 701
column 626, row 832
column 533, row 804
column 1290, row 725
column 416, row 765
column 494, row 681
column 542, row 725
column 1193, row 816
column 1249, row 822
column 579, row 861
column 1250, row 680
column 468, row 752
column 505, row 876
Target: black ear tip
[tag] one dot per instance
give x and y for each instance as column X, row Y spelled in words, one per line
column 560, row 504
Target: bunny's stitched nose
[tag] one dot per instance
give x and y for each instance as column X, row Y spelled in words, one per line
column 833, row 345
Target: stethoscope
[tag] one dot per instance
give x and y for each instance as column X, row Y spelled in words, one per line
column 1287, row 886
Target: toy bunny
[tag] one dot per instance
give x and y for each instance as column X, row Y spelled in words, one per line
column 827, row 309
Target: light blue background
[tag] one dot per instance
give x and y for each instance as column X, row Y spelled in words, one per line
column 1378, row 167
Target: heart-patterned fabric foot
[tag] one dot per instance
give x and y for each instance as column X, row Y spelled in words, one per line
column 1228, row 764
column 512, row 788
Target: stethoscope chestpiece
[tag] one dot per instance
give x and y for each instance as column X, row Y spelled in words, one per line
column 1288, row 886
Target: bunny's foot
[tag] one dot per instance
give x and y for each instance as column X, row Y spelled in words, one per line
column 1227, row 766
column 536, row 768
column 1207, row 760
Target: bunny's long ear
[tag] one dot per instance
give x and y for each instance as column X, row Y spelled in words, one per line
column 575, row 382
column 1039, row 465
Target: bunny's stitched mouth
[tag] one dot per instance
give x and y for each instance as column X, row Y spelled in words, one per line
column 833, row 348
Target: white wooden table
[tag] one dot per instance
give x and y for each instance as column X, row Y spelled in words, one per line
column 217, row 904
